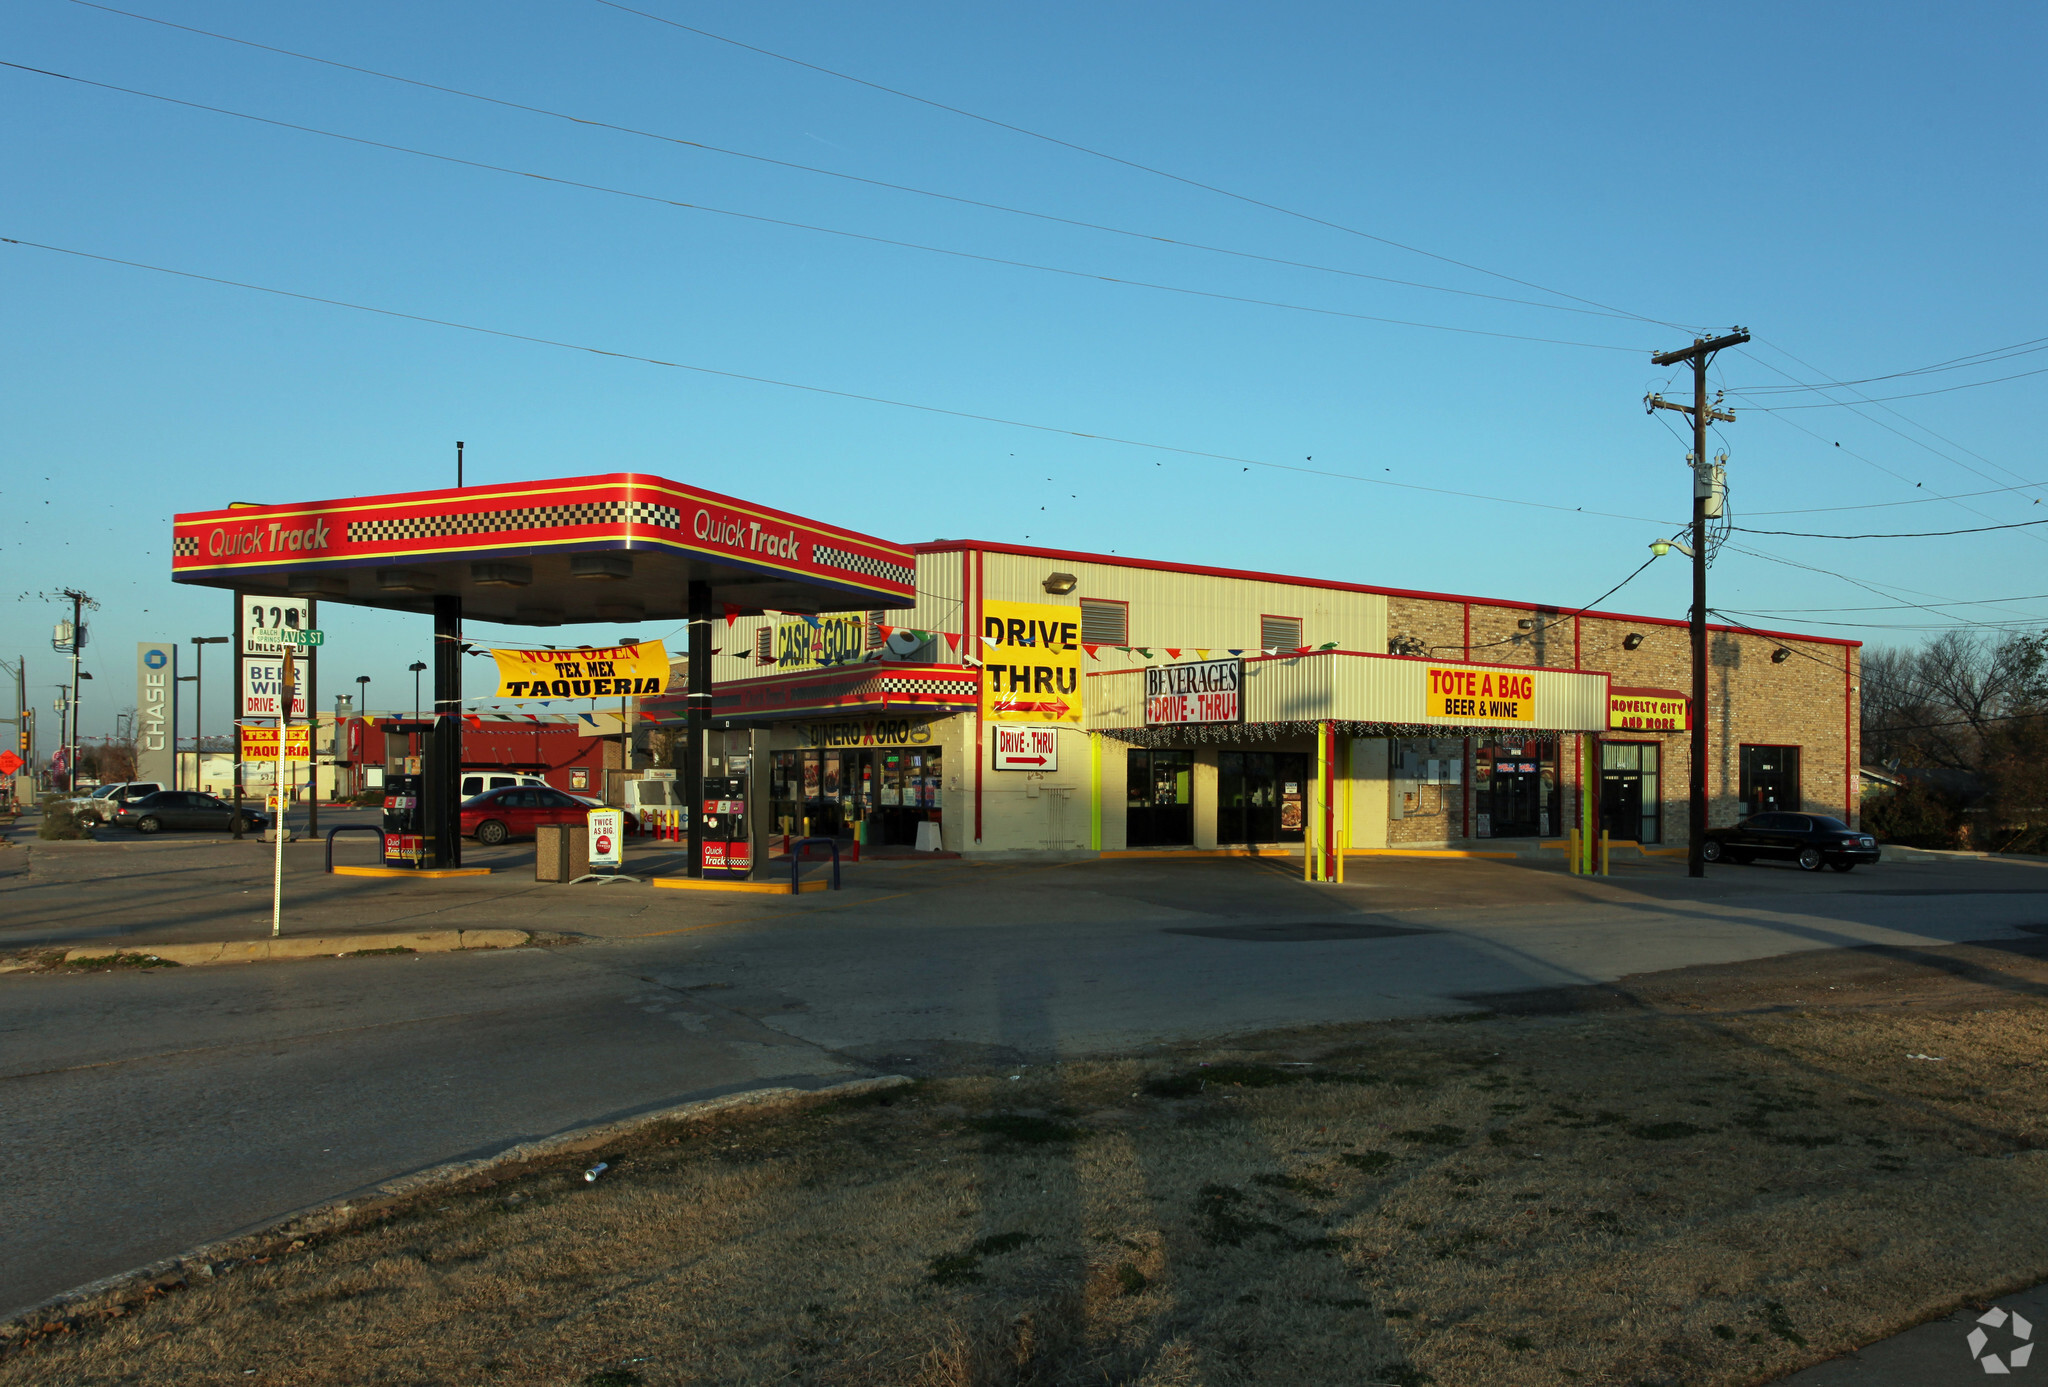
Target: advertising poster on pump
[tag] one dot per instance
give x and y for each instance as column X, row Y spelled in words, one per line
column 1200, row 691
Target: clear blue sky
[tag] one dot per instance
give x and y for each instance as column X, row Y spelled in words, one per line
column 1859, row 185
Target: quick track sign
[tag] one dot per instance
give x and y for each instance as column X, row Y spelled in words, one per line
column 1026, row 748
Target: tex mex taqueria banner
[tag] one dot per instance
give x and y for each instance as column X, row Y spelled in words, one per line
column 619, row 671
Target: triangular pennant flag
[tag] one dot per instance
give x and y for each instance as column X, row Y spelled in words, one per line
column 814, row 623
column 1091, row 649
column 1171, row 653
column 732, row 614
column 1201, row 654
column 953, row 639
column 887, row 630
column 1274, row 651
column 472, row 719
column 1237, row 652
column 1143, row 651
column 369, row 720
column 1125, row 648
column 1327, row 645
column 588, row 718
column 1301, row 650
column 989, row 640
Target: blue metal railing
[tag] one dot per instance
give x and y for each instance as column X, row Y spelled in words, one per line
column 796, row 861
column 350, row 828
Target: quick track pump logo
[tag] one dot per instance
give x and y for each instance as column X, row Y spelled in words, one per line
column 2016, row 1329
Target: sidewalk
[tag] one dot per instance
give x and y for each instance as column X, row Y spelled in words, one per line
column 1940, row 1353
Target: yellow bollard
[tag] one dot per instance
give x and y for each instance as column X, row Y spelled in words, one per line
column 1571, row 850
column 1603, row 852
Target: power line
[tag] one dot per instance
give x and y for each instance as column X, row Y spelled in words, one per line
column 1564, row 615
column 1955, row 363
column 1913, row 534
column 1894, row 607
column 813, row 169
column 1127, row 163
column 1880, row 399
column 807, row 226
column 821, row 389
column 1916, row 501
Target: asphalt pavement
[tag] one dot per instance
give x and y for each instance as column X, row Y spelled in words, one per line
column 145, row 1112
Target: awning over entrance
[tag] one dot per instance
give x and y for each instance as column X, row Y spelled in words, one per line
column 1368, row 695
column 620, row 547
column 864, row 690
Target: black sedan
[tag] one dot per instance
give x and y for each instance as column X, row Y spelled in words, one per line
column 182, row 809
column 1811, row 840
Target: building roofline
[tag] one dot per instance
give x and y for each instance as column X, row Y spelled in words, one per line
column 948, row 546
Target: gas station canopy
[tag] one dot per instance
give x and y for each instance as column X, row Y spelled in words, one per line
column 619, row 547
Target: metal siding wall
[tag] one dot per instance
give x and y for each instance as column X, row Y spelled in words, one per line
column 1189, row 611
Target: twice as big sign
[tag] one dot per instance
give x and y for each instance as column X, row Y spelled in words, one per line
column 1198, row 691
column 1482, row 695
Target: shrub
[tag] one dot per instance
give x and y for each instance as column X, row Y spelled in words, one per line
column 61, row 822
column 1916, row 815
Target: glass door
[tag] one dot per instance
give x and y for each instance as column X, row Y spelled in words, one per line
column 1261, row 796
column 1630, row 802
column 1159, row 799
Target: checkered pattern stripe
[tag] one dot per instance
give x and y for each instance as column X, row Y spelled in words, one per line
column 410, row 527
column 185, row 547
column 846, row 561
column 967, row 687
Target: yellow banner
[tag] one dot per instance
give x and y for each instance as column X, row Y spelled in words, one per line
column 1648, row 713
column 260, row 743
column 1031, row 662
column 1482, row 695
column 619, row 671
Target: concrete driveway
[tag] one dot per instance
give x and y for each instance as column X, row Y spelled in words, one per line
column 146, row 1112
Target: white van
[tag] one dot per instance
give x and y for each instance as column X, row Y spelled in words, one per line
column 475, row 783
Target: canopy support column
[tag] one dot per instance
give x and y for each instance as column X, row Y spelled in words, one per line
column 442, row 772
column 699, row 723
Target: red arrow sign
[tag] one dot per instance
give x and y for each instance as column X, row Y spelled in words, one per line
column 9, row 763
column 1057, row 708
column 1026, row 760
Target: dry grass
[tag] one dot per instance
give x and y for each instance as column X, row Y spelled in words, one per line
column 1738, row 1173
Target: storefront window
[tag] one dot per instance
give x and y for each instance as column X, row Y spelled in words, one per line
column 1515, row 789
column 878, row 794
column 1631, row 807
column 1770, row 778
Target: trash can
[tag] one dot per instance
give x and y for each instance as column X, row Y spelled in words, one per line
column 561, row 852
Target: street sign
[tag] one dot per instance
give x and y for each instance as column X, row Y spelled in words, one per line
column 607, row 837
column 10, row 763
column 1026, row 748
column 282, row 636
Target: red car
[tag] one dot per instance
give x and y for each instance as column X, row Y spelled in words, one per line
column 519, row 810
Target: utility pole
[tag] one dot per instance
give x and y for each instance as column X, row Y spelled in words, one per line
column 1699, row 354
column 79, row 602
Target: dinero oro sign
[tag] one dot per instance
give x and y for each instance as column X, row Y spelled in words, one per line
column 1204, row 691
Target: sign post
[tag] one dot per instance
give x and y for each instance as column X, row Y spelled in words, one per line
column 284, row 737
column 607, row 845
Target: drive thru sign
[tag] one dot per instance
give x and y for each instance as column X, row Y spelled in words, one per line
column 1027, row 748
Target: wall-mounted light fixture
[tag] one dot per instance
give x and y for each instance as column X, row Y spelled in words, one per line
column 1632, row 641
column 1525, row 624
column 1780, row 655
column 1059, row 584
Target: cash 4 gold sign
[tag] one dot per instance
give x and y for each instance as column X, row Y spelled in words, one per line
column 1482, row 695
column 1198, row 691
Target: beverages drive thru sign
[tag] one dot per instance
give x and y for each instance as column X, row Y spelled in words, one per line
column 1198, row 691
column 1031, row 662
column 1027, row 748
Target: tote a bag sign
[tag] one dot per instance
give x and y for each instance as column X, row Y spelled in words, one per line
column 1202, row 691
column 1482, row 695
column 263, row 689
column 1031, row 662
column 618, row 671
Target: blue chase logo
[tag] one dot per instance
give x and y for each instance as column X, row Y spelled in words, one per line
column 156, row 659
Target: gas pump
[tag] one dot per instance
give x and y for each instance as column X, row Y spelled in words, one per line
column 405, row 842
column 728, row 852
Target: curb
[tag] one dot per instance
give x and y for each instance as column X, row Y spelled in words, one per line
column 438, row 941
column 334, row 1214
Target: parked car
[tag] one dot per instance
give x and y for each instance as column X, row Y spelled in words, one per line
column 481, row 782
column 519, row 810
column 1811, row 840
column 182, row 809
column 102, row 802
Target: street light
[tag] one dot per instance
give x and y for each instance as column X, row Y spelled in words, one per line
column 199, row 644
column 1660, row 547
column 416, row 666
